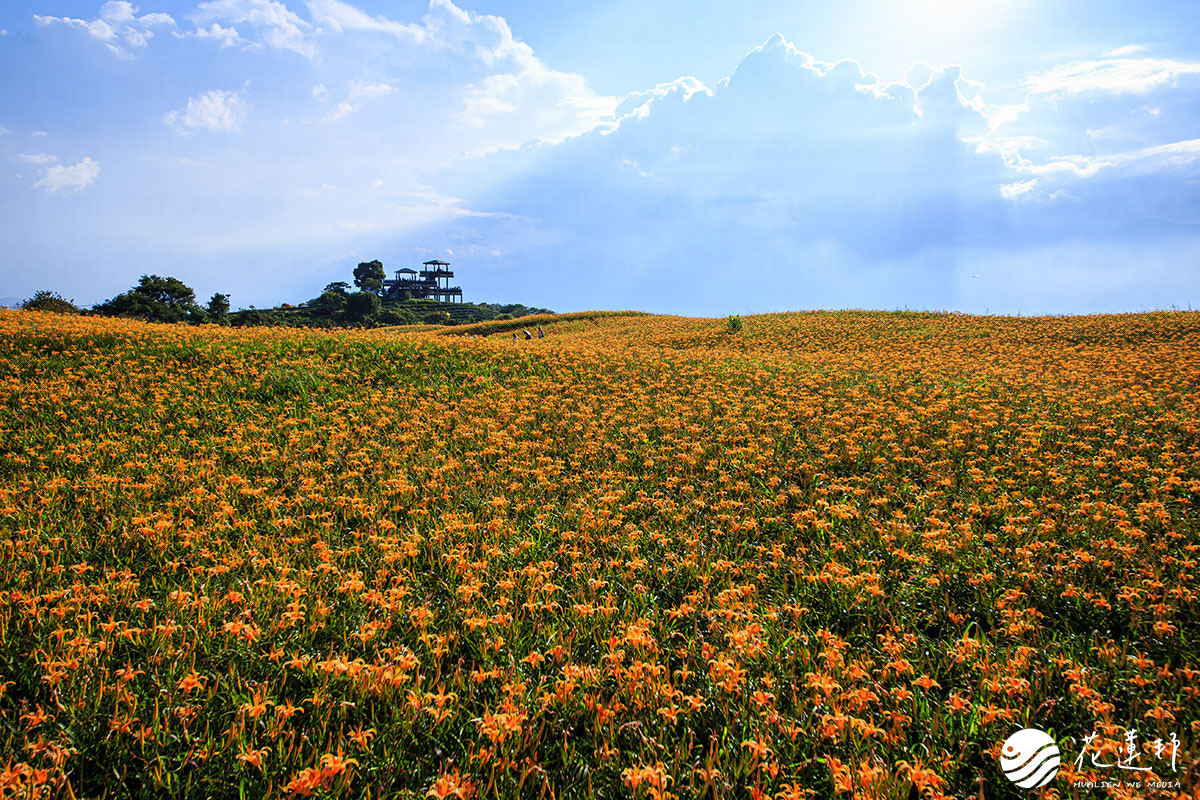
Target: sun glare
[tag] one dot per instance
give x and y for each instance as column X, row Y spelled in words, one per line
column 939, row 30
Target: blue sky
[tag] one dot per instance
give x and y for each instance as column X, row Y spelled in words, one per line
column 1003, row 156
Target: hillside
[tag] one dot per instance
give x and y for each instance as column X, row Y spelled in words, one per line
column 645, row 556
column 392, row 312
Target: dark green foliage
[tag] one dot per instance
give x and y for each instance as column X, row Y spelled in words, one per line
column 514, row 310
column 218, row 307
column 254, row 317
column 369, row 276
column 341, row 287
column 436, row 318
column 50, row 301
column 328, row 303
column 155, row 299
column 396, row 316
column 733, row 323
column 362, row 305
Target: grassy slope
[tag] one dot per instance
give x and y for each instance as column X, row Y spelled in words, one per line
column 560, row 321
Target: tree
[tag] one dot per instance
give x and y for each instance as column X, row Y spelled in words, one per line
column 369, row 276
column 253, row 317
column 341, row 287
column 397, row 316
column 155, row 299
column 168, row 291
column 330, row 302
column 50, row 301
column 362, row 305
column 218, row 307
column 436, row 318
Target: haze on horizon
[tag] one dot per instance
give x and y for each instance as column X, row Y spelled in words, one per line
column 1007, row 156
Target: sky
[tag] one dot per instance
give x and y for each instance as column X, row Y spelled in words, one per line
column 702, row 158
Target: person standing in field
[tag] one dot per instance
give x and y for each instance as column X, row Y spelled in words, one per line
column 541, row 333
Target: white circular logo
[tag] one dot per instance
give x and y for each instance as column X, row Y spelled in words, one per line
column 1029, row 758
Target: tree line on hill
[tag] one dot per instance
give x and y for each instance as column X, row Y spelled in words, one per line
column 167, row 299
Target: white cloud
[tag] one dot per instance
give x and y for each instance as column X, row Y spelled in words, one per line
column 1010, row 190
column 1123, row 114
column 369, row 90
column 74, row 178
column 777, row 155
column 510, row 95
column 1146, row 159
column 638, row 103
column 1127, row 50
column 1123, row 75
column 37, row 158
column 4, row 131
column 918, row 75
column 216, row 110
column 359, row 92
column 280, row 28
column 831, row 177
column 118, row 25
column 225, row 37
column 342, row 16
column 531, row 101
column 505, row 95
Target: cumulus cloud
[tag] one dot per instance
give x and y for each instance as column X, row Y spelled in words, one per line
column 517, row 96
column 123, row 30
column 803, row 183
column 216, row 110
column 507, row 90
column 224, row 37
column 638, row 103
column 508, row 93
column 918, row 75
column 505, row 93
column 1124, row 113
column 118, row 25
column 790, row 154
column 74, row 178
column 279, row 27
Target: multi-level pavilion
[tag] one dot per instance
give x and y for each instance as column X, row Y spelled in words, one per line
column 432, row 282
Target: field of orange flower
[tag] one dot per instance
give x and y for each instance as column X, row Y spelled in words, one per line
column 827, row 555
